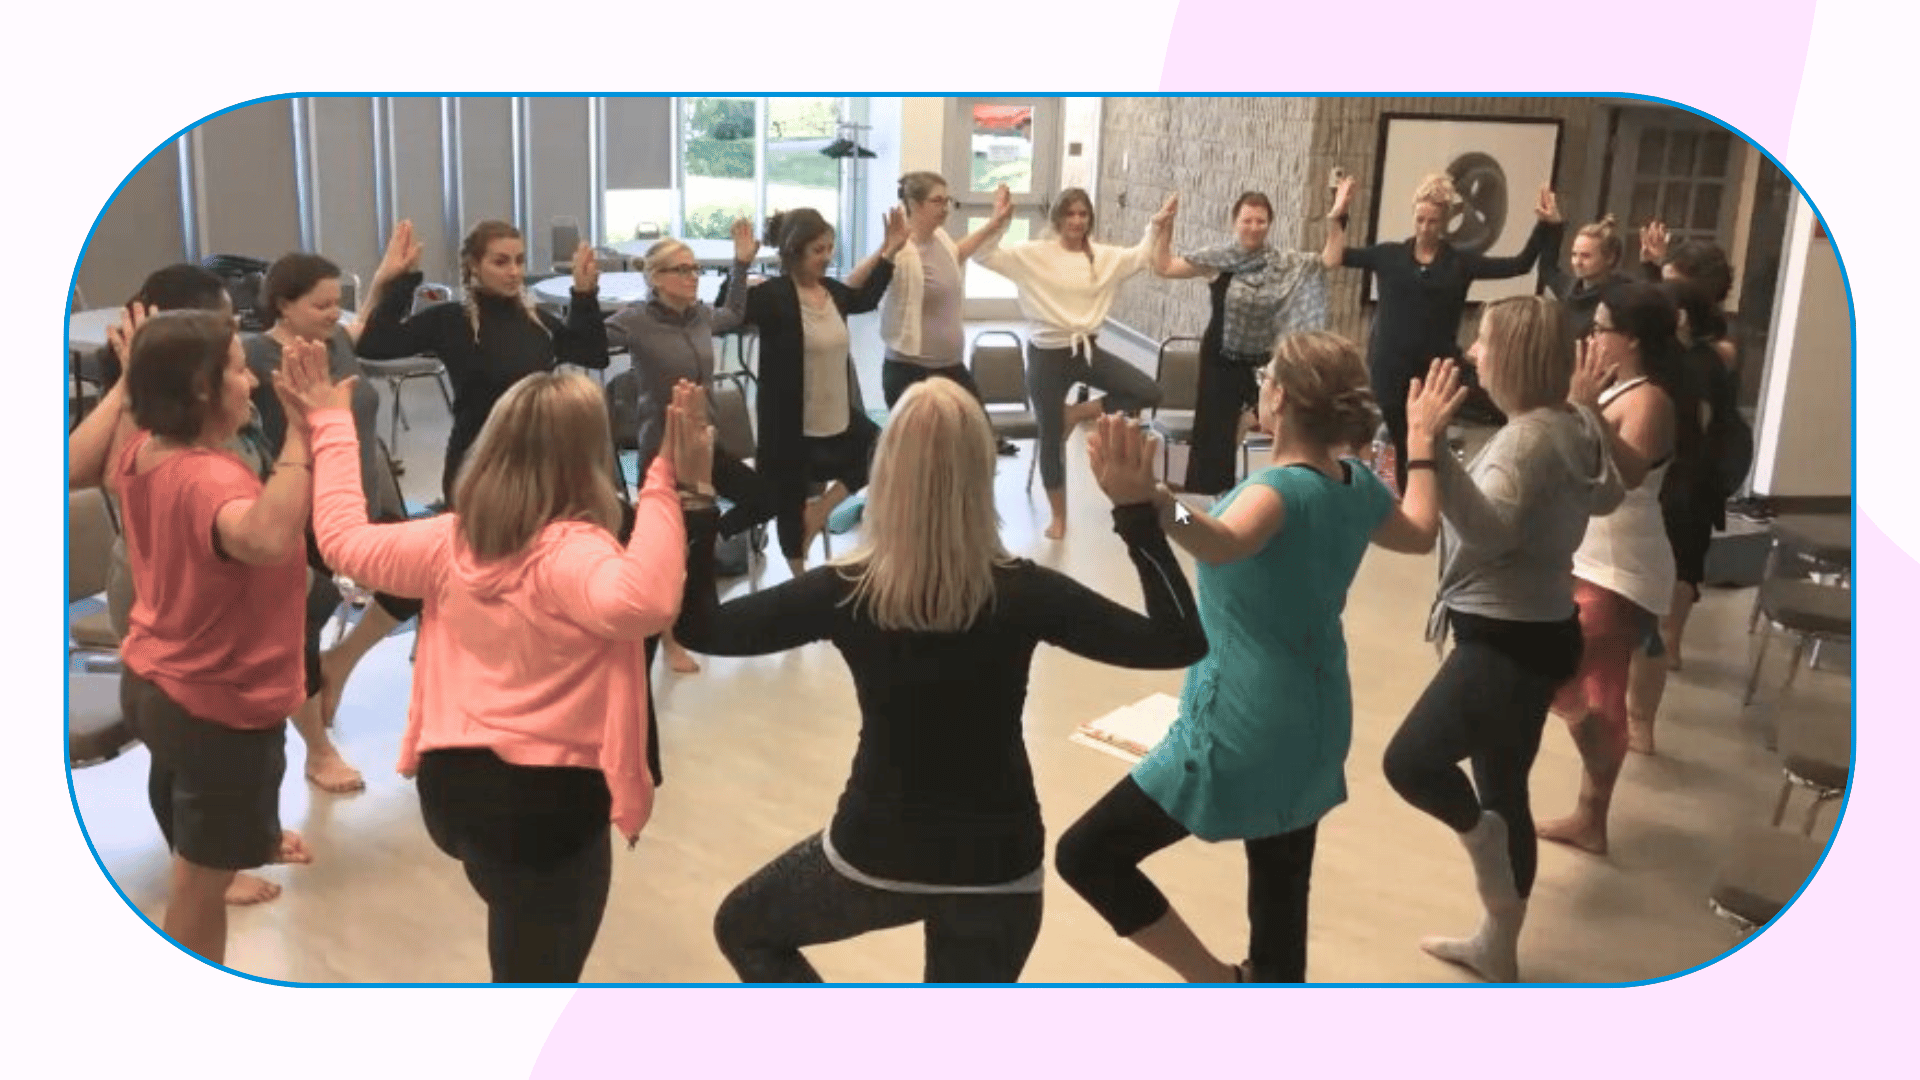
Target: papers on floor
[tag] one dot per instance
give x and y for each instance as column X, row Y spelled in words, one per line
column 1128, row 733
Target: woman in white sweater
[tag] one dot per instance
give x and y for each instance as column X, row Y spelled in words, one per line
column 1067, row 283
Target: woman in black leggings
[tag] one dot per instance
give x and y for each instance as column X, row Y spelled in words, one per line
column 939, row 822
column 1511, row 523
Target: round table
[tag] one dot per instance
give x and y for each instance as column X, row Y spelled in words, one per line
column 616, row 290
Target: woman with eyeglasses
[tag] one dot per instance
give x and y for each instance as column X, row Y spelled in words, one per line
column 1624, row 571
column 1260, row 295
column 671, row 340
column 1424, row 281
column 920, row 319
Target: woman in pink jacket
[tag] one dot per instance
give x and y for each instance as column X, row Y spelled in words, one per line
column 527, row 728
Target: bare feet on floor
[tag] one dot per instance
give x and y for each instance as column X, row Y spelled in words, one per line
column 1056, row 529
column 246, row 890
column 682, row 661
column 329, row 772
column 1576, row 830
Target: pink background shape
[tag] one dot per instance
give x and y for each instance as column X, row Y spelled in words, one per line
column 1227, row 47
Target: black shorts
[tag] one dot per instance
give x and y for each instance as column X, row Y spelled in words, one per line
column 215, row 790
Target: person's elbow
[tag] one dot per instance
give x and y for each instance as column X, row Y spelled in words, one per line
column 262, row 547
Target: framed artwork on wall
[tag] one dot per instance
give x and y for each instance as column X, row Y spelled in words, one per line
column 1497, row 165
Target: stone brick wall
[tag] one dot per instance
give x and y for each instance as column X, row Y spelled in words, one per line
column 1209, row 150
column 1212, row 149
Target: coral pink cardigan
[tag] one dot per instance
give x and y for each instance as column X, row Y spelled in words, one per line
column 538, row 657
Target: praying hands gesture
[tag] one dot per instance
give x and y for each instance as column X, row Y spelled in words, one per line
column 1122, row 454
column 688, row 444
column 402, row 256
column 304, row 385
column 586, row 269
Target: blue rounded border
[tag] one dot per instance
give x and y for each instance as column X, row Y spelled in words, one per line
column 1746, row 939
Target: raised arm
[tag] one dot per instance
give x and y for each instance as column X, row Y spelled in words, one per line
column 746, row 247
column 1654, row 239
column 1334, row 252
column 96, row 442
column 1412, row 525
column 400, row 559
column 787, row 616
column 1545, row 236
column 868, row 280
column 1165, row 263
column 1087, row 624
column 402, row 257
column 635, row 594
column 267, row 530
column 988, row 252
column 1256, row 516
column 995, row 225
column 582, row 340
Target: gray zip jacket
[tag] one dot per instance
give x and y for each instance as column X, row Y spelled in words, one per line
column 1513, row 518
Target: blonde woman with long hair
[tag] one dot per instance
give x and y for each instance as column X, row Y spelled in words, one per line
column 1423, row 289
column 527, row 727
column 1512, row 521
column 939, row 822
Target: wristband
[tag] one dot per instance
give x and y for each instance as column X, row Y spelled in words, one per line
column 1423, row 463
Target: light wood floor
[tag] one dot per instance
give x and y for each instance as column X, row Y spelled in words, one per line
column 756, row 752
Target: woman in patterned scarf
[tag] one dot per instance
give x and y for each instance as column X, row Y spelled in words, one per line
column 1260, row 294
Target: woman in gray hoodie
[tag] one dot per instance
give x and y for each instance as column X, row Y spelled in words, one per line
column 1511, row 522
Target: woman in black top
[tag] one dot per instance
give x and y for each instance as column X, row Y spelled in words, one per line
column 1594, row 264
column 939, row 821
column 492, row 337
column 1423, row 291
column 808, row 427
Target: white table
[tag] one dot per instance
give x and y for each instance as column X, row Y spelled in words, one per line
column 616, row 290
column 87, row 333
column 710, row 254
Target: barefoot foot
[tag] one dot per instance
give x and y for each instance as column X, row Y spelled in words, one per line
column 246, row 890
column 293, row 850
column 329, row 772
column 1576, row 830
column 1056, row 529
column 681, row 661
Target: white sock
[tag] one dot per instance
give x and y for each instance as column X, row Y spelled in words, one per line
column 1493, row 952
column 1486, row 845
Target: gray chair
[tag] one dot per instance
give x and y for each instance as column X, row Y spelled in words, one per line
column 1814, row 613
column 1177, row 373
column 1000, row 371
column 397, row 373
column 91, row 533
column 1809, row 546
column 1816, row 756
column 1764, row 871
column 96, row 730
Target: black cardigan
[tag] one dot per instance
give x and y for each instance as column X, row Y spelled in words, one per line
column 509, row 348
column 773, row 306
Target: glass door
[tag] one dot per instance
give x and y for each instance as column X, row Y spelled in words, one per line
column 990, row 142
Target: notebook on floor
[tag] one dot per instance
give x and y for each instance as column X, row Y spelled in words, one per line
column 1131, row 731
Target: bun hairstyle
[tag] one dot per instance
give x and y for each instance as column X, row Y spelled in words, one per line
column 791, row 231
column 1329, row 398
column 1438, row 189
column 915, row 187
column 1606, row 232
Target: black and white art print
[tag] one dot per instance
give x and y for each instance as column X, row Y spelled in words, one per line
column 1497, row 166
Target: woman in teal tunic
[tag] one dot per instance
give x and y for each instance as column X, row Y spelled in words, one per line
column 1259, row 750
